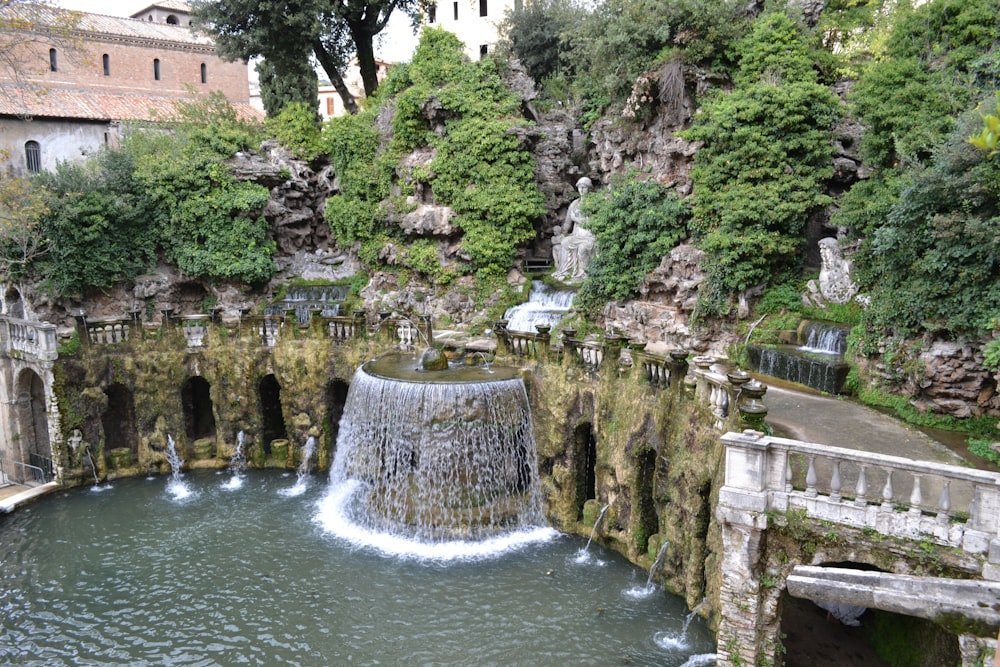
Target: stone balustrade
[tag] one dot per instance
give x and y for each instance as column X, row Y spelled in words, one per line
column 949, row 505
column 29, row 341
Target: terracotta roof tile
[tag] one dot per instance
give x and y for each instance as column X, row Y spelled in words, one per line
column 91, row 105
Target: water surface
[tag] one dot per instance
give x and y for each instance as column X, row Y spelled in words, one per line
column 247, row 576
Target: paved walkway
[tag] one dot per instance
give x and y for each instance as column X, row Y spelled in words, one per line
column 812, row 417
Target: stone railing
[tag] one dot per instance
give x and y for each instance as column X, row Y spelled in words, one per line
column 30, row 341
column 950, row 505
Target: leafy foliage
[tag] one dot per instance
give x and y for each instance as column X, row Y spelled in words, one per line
column 635, row 224
column 935, row 261
column 22, row 205
column 209, row 223
column 297, row 127
column 97, row 226
column 762, row 169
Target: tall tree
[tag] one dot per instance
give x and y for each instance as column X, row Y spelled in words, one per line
column 283, row 31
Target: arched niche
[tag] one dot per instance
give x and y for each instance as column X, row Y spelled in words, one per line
column 196, row 399
column 34, row 447
column 14, row 306
column 118, row 420
column 584, row 464
column 271, row 415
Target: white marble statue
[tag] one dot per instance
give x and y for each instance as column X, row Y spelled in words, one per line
column 835, row 282
column 573, row 243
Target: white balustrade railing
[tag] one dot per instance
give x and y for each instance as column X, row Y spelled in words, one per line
column 590, row 354
column 713, row 388
column 950, row 505
column 31, row 341
column 342, row 329
column 269, row 328
column 108, row 332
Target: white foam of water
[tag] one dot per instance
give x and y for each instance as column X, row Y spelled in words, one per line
column 670, row 642
column 178, row 489
column 701, row 660
column 300, row 486
column 639, row 592
column 331, row 516
column 100, row 488
column 233, row 483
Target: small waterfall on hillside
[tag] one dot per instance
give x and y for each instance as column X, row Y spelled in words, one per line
column 306, row 299
column 814, row 357
column 237, row 464
column 434, row 457
column 545, row 306
column 302, row 474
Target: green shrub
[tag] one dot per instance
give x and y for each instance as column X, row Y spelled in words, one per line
column 635, row 224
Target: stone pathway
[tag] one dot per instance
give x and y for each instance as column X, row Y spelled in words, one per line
column 812, row 417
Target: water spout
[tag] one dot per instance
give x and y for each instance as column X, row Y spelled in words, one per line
column 237, row 464
column 649, row 588
column 680, row 641
column 583, row 556
column 176, row 486
column 302, row 473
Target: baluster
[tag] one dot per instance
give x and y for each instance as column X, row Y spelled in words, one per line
column 887, row 492
column 788, row 473
column 916, row 497
column 811, row 477
column 835, row 482
column 944, row 505
column 861, row 488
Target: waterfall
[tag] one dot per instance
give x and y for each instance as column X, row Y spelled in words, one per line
column 815, row 359
column 680, row 641
column 545, row 306
column 439, row 457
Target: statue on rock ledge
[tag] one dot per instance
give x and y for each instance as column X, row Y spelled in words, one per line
column 573, row 244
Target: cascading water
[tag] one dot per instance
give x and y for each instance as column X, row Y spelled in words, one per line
column 545, row 306
column 431, row 462
column 680, row 640
column 237, row 464
column 176, row 486
column 302, row 473
column 814, row 359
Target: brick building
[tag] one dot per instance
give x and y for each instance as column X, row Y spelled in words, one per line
column 68, row 100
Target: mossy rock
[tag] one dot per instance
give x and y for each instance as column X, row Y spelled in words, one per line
column 279, row 450
column 653, row 546
column 591, row 510
column 203, row 448
column 121, row 458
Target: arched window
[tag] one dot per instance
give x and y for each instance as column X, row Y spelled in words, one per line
column 172, row 20
column 106, row 61
column 204, row 73
column 33, row 156
column 432, row 12
column 483, row 11
column 53, row 61
column 156, row 69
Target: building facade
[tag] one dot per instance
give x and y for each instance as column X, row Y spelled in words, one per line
column 73, row 95
column 474, row 21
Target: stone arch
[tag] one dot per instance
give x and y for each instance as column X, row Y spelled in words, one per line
column 584, row 464
column 196, row 401
column 31, row 406
column 271, row 415
column 336, row 398
column 818, row 635
column 648, row 522
column 119, row 423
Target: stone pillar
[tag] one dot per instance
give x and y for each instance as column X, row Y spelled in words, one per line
column 748, row 624
column 501, row 333
column 542, row 339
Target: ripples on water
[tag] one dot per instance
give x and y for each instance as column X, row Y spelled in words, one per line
column 246, row 576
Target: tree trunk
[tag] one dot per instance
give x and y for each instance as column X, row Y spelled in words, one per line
column 329, row 65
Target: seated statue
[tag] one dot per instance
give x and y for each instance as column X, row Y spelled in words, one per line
column 573, row 244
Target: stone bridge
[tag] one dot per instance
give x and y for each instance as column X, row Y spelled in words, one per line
column 923, row 508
